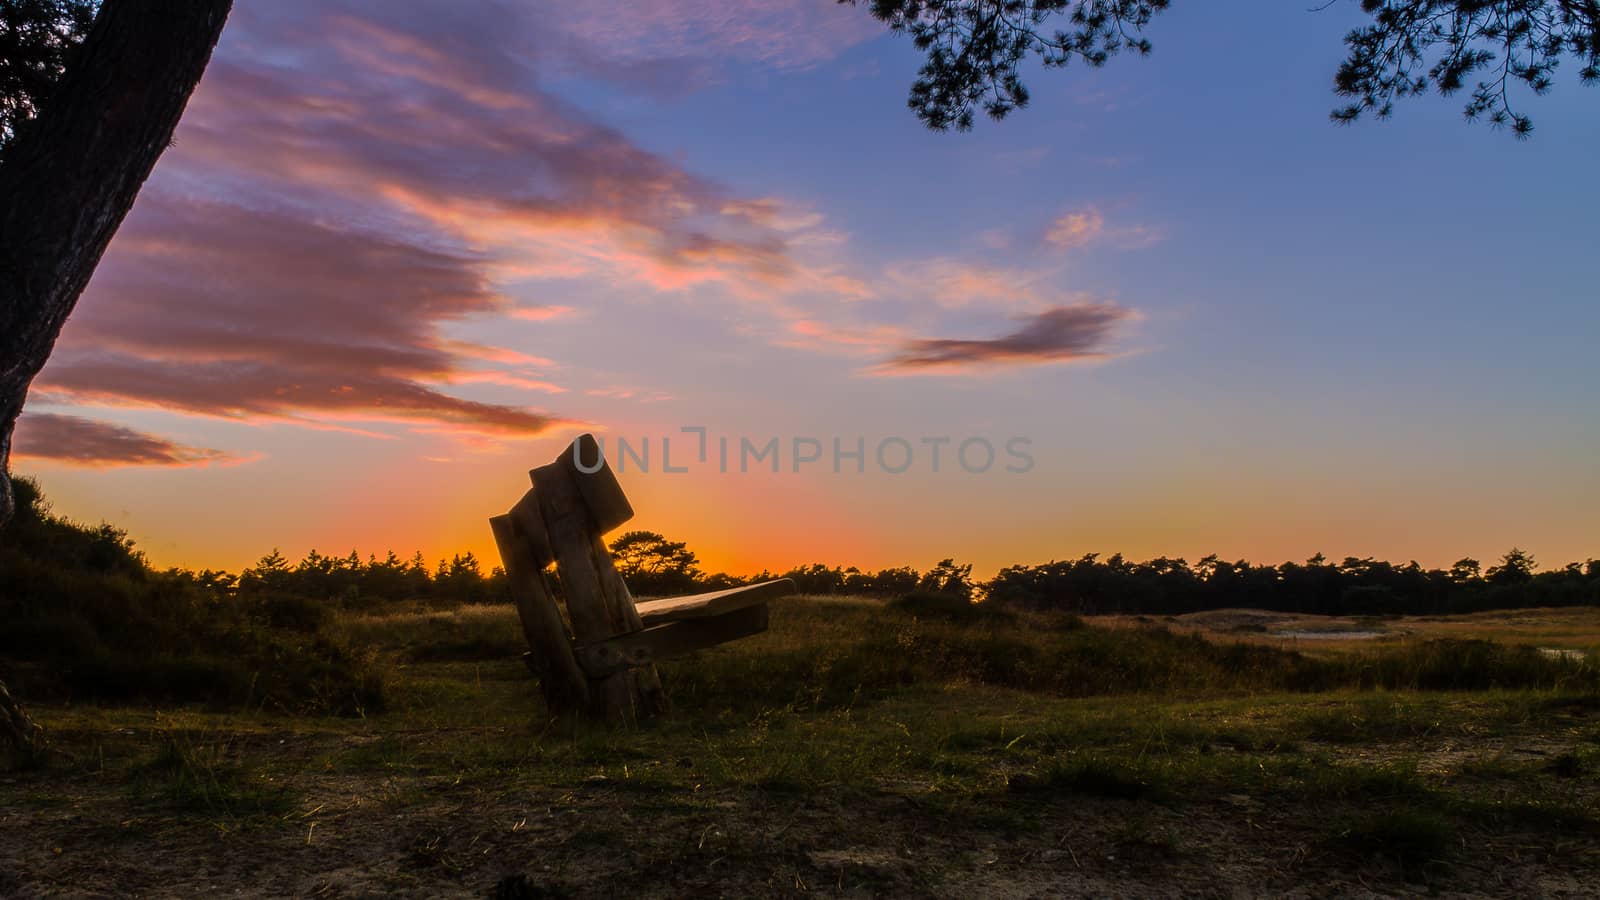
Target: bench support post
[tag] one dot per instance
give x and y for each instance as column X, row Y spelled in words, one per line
column 604, row 665
column 563, row 684
column 598, row 602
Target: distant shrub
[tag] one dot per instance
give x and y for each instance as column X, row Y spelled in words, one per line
column 1469, row 665
column 87, row 619
column 290, row 611
column 928, row 603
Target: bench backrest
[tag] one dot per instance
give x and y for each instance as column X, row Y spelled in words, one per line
column 563, row 518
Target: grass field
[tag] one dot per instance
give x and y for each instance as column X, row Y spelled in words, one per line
column 864, row 751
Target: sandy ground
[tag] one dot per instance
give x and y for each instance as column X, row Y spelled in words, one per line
column 1576, row 628
column 350, row 838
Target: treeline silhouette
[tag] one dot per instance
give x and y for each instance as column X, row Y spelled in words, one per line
column 87, row 618
column 1091, row 585
column 1088, row 585
column 1365, row 586
column 302, row 594
column 1095, row 585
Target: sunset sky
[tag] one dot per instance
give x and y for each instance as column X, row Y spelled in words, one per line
column 401, row 252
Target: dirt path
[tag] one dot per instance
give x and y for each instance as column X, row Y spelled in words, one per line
column 369, row 836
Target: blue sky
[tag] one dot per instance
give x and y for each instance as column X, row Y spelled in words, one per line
column 1372, row 339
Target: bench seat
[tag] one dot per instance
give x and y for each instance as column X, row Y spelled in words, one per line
column 715, row 603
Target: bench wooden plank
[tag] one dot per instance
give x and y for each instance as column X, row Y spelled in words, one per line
column 700, row 606
column 564, row 686
column 598, row 602
column 602, row 494
column 642, row 648
column 530, row 525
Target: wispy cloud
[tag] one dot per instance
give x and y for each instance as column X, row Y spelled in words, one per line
column 867, row 339
column 74, row 440
column 1063, row 334
column 542, row 313
column 1082, row 227
column 957, row 283
column 1075, row 229
column 623, row 392
column 350, row 181
column 222, row 310
column 784, row 34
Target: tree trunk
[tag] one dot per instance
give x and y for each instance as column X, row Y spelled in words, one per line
column 70, row 178
column 72, row 175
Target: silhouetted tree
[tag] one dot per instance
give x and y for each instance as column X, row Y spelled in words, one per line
column 36, row 37
column 653, row 565
column 1466, row 570
column 949, row 579
column 816, row 579
column 270, row 573
column 1414, row 46
column 461, row 580
column 975, row 49
column 1516, row 567
column 882, row 583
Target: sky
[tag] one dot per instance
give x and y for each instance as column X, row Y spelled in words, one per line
column 402, row 252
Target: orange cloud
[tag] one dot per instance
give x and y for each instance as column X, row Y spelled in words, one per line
column 618, row 392
column 541, row 313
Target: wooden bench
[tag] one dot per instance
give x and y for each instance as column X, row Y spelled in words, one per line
column 604, row 664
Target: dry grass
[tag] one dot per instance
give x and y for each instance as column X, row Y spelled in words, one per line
column 1564, row 628
column 852, row 749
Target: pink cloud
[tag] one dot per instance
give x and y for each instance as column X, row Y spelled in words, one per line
column 955, row 283
column 352, row 179
column 813, row 334
column 1076, row 229
column 222, row 310
column 434, row 111
column 1082, row 227
column 77, row 441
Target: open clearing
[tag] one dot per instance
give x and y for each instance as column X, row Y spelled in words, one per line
column 1574, row 628
column 856, row 751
